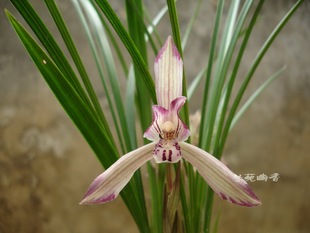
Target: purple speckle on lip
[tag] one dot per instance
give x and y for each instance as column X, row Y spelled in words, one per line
column 164, row 155
column 170, row 156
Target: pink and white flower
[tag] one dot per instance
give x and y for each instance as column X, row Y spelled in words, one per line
column 169, row 133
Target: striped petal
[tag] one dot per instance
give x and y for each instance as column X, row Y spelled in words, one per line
column 223, row 181
column 183, row 131
column 108, row 185
column 160, row 115
column 168, row 68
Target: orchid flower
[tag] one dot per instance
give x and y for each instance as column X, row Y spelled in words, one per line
column 169, row 133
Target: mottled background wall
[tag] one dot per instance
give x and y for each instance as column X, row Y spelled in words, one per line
column 46, row 166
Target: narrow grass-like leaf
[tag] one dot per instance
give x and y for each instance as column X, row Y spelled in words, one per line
column 226, row 95
column 220, row 74
column 195, row 83
column 191, row 175
column 152, row 27
column 49, row 43
column 130, row 46
column 156, row 200
column 114, row 42
column 221, row 105
column 137, row 28
column 105, row 49
column 217, row 221
column 184, row 203
column 53, row 9
column 175, row 26
column 211, row 121
column 199, row 182
column 208, row 209
column 134, row 10
column 150, row 30
column 230, row 25
column 80, row 113
column 191, row 23
column 76, row 108
column 98, row 62
column 148, row 38
column 253, row 97
column 129, row 105
column 206, row 95
column 252, row 69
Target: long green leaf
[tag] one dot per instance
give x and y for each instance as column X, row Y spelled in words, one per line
column 212, row 122
column 137, row 28
column 152, row 27
column 115, row 44
column 195, row 83
column 129, row 103
column 76, row 108
column 49, row 43
column 252, row 69
column 226, row 95
column 199, row 182
column 191, row 23
column 97, row 58
column 130, row 46
column 253, row 97
column 147, row 35
column 222, row 105
column 156, row 201
column 53, row 9
column 206, row 94
column 78, row 111
column 217, row 220
column 220, row 74
column 136, row 31
column 175, row 26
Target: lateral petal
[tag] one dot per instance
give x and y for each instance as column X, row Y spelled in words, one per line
column 168, row 68
column 108, row 185
column 222, row 180
column 175, row 106
column 160, row 115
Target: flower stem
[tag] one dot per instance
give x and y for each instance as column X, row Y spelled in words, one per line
column 172, row 221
